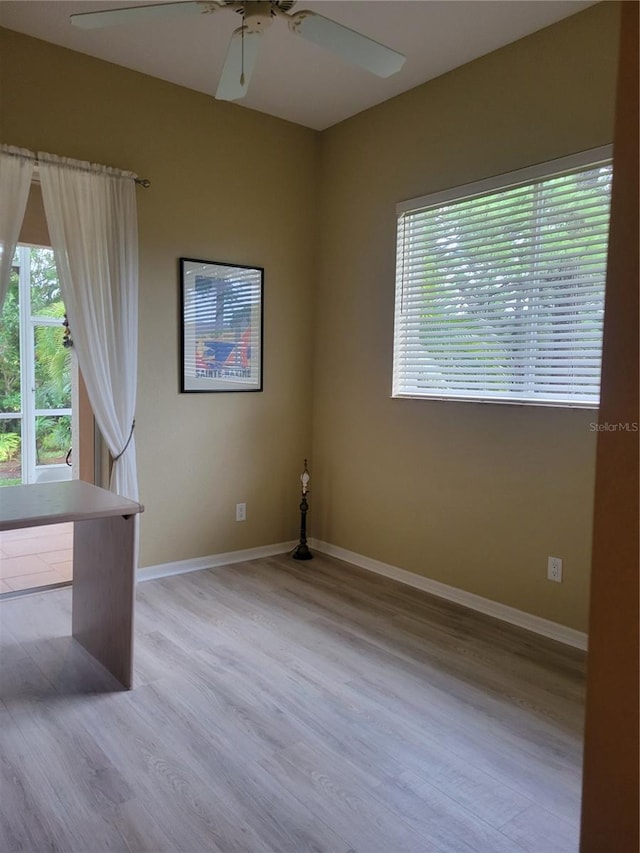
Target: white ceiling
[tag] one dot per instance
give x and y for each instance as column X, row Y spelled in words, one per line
column 294, row 79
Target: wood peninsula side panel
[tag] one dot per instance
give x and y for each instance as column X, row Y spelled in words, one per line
column 104, row 591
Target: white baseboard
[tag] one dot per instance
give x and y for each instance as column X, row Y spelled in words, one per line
column 537, row 624
column 213, row 561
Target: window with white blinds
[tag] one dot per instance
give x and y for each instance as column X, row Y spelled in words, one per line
column 500, row 287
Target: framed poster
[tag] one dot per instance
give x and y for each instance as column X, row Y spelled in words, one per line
column 221, row 326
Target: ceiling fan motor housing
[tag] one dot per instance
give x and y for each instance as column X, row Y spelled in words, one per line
column 257, row 15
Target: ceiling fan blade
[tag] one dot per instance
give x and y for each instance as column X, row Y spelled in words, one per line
column 349, row 45
column 233, row 84
column 113, row 17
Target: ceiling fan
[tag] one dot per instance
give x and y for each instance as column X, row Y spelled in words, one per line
column 257, row 16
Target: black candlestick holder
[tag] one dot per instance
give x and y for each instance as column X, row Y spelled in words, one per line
column 302, row 551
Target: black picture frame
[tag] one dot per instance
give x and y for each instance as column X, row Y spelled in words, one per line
column 221, row 327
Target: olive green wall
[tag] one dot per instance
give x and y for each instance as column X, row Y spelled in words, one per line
column 472, row 495
column 227, row 184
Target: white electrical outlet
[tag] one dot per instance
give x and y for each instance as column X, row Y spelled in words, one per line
column 241, row 512
column 554, row 569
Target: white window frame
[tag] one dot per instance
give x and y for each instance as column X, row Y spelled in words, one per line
column 592, row 158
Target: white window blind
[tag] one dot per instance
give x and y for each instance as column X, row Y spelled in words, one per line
column 500, row 287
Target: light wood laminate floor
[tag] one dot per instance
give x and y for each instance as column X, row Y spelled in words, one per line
column 288, row 707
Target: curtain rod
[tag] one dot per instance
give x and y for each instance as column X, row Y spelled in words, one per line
column 142, row 182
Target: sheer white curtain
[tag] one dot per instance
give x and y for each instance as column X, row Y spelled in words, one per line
column 91, row 214
column 16, row 171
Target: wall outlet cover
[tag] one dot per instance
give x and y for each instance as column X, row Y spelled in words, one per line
column 554, row 569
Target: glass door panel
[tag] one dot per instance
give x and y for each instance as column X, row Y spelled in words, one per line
column 53, row 439
column 10, row 451
column 10, row 390
column 52, row 367
column 45, row 297
column 36, row 385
